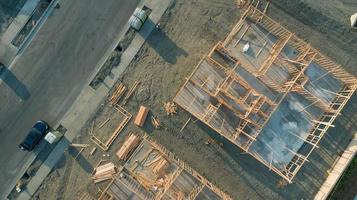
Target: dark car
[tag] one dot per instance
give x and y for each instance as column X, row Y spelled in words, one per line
column 37, row 132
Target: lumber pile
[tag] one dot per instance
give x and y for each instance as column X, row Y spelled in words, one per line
column 130, row 92
column 159, row 165
column 104, row 172
column 141, row 116
column 128, row 147
column 170, row 108
column 155, row 122
column 117, row 94
column 148, row 183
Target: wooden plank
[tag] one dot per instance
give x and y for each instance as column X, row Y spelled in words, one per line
column 79, row 145
column 186, row 123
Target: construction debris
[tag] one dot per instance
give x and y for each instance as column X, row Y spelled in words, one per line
column 170, row 108
column 130, row 92
column 152, row 172
column 212, row 141
column 243, row 3
column 118, row 94
column 128, row 147
column 19, row 185
column 141, row 116
column 281, row 183
column 104, row 172
column 155, row 122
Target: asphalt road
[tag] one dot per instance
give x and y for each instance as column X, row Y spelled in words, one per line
column 49, row 75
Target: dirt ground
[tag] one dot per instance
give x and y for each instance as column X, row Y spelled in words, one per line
column 187, row 31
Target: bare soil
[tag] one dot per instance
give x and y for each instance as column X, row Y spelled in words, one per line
column 188, row 31
column 113, row 60
column 106, row 122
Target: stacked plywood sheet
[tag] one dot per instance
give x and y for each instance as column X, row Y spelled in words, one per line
column 104, row 172
column 128, row 147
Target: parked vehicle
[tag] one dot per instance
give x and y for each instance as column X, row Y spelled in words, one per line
column 37, row 132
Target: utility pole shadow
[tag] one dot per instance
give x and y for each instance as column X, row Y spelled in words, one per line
column 163, row 44
column 15, row 84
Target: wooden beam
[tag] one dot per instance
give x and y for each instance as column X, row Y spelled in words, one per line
column 323, row 123
column 188, row 169
column 186, row 123
column 79, row 145
column 276, row 50
column 105, row 145
column 195, row 192
column 168, row 184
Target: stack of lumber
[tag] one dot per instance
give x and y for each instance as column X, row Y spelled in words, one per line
column 155, row 122
column 117, row 94
column 128, row 147
column 170, row 108
column 160, row 166
column 141, row 116
column 148, row 183
column 130, row 92
column 104, row 172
